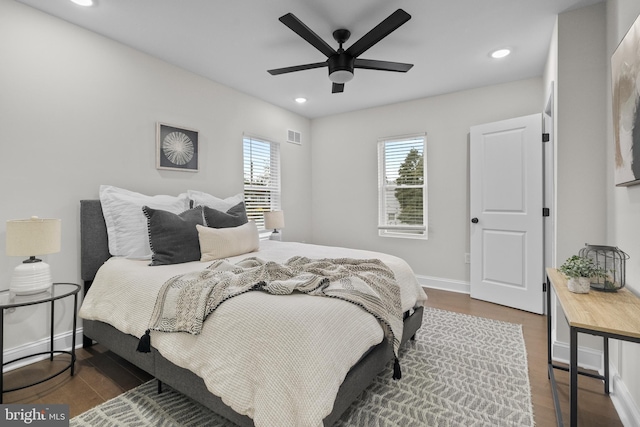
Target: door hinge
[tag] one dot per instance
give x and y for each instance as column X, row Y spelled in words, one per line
column 545, row 137
column 545, row 211
column 544, row 287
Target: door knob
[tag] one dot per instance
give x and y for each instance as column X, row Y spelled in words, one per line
column 474, row 220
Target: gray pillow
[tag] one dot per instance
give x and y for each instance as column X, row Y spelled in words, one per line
column 234, row 217
column 173, row 237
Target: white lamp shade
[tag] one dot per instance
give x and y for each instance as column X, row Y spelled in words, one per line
column 33, row 236
column 274, row 220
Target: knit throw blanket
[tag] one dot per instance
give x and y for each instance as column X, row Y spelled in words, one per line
column 185, row 301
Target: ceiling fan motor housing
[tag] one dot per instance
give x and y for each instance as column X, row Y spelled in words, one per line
column 341, row 64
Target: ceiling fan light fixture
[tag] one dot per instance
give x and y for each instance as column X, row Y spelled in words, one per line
column 341, row 76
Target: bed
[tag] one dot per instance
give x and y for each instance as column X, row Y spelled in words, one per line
column 192, row 368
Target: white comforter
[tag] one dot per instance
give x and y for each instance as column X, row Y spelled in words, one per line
column 277, row 359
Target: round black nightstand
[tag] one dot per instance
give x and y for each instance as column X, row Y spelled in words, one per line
column 57, row 291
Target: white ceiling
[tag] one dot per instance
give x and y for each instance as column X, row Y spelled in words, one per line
column 235, row 42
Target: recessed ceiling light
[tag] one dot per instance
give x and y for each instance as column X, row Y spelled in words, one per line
column 83, row 2
column 500, row 53
column 301, row 100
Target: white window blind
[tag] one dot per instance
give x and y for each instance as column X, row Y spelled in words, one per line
column 261, row 178
column 402, row 171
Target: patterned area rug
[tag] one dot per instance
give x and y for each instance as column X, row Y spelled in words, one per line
column 461, row 371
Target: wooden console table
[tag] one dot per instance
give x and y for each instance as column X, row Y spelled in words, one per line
column 606, row 314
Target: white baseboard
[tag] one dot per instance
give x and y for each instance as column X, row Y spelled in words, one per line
column 621, row 398
column 623, row 401
column 61, row 341
column 588, row 358
column 459, row 286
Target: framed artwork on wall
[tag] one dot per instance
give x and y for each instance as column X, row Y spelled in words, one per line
column 625, row 76
column 176, row 148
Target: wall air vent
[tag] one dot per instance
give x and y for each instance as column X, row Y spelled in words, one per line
column 294, row 137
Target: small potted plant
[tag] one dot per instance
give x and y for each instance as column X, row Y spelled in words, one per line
column 579, row 270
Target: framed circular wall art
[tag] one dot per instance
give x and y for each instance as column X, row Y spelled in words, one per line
column 176, row 148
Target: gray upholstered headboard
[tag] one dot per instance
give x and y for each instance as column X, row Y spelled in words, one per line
column 94, row 242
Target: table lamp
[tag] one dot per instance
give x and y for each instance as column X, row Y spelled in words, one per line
column 274, row 220
column 32, row 237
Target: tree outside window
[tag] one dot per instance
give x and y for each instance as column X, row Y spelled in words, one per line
column 402, row 183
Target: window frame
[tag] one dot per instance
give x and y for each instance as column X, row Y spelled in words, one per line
column 272, row 189
column 406, row 231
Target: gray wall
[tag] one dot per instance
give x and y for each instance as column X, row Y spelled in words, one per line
column 581, row 118
column 78, row 110
column 622, row 219
column 344, row 178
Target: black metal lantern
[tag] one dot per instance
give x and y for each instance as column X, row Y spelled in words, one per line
column 611, row 262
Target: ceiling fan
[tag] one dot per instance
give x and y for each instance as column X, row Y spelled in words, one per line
column 342, row 62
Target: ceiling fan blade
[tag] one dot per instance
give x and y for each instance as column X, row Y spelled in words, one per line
column 305, row 32
column 337, row 88
column 372, row 64
column 284, row 70
column 380, row 31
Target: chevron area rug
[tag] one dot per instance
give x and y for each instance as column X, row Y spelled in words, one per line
column 460, row 371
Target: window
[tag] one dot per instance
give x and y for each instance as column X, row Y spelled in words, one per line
column 402, row 200
column 261, row 178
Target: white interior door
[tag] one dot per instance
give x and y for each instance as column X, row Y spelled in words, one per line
column 506, row 173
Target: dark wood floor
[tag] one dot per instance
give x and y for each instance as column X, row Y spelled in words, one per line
column 101, row 375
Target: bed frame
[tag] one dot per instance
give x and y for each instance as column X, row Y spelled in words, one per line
column 95, row 251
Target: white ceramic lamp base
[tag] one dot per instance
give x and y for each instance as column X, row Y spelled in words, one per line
column 276, row 235
column 31, row 278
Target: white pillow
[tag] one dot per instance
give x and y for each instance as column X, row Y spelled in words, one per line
column 200, row 198
column 126, row 223
column 218, row 243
